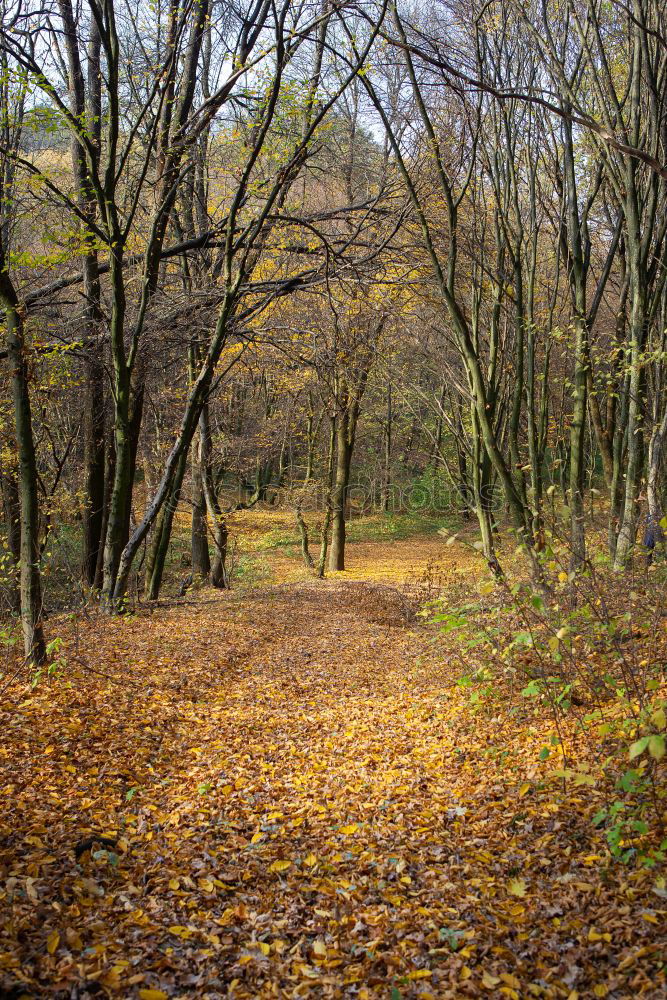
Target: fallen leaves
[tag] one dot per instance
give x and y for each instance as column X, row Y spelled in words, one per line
column 316, row 809
column 517, row 887
column 280, row 866
column 52, row 942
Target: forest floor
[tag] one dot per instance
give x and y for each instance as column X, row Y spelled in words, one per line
column 282, row 791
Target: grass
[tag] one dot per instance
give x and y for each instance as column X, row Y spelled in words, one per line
column 396, row 527
column 369, row 528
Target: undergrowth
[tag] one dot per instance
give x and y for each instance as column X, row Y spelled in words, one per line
column 591, row 659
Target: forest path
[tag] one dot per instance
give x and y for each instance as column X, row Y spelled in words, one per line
column 304, row 803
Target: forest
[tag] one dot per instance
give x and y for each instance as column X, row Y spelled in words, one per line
column 333, row 420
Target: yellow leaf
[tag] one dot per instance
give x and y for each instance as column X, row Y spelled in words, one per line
column 256, row 837
column 351, row 828
column 52, row 942
column 280, row 866
column 659, row 719
column 174, row 883
column 206, row 884
column 151, row 994
column 310, row 860
column 180, row 931
column 631, row 959
column 517, row 887
column 490, row 982
column 420, row 974
column 524, row 789
column 319, row 948
column 264, row 947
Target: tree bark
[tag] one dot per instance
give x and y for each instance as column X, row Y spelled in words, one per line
column 30, row 583
column 326, row 524
column 388, row 440
column 162, row 532
column 201, row 560
column 12, row 511
column 218, row 577
column 94, row 466
column 85, row 104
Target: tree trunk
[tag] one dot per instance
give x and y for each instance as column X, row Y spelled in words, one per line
column 576, row 233
column 12, row 511
column 326, row 524
column 616, row 493
column 162, row 532
column 577, row 430
column 201, row 562
column 386, row 486
column 654, row 460
column 85, row 105
column 535, row 451
column 628, row 529
column 218, row 566
column 303, row 534
column 109, row 473
column 121, row 489
column 463, row 483
column 218, row 577
column 94, row 464
column 30, row 584
column 340, row 490
column 482, row 498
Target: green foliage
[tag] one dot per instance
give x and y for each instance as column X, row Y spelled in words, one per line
column 577, row 657
column 53, row 669
column 393, row 527
column 250, row 570
column 451, row 937
column 9, row 637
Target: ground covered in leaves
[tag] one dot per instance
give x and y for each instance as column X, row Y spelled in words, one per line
column 282, row 791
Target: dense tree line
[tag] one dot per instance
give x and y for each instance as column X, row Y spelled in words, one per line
column 299, row 248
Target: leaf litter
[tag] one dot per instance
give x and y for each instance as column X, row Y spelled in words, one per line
column 282, row 792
